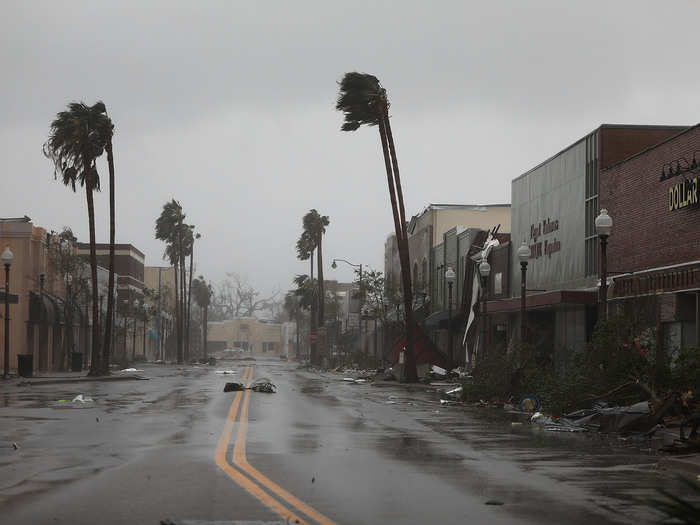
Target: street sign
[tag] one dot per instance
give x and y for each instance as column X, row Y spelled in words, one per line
column 13, row 299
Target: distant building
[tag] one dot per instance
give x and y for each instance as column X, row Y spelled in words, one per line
column 249, row 334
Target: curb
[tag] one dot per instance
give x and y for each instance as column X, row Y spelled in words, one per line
column 689, row 464
column 66, row 380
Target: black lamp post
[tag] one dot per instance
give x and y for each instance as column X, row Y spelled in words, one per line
column 68, row 279
column 450, row 278
column 603, row 227
column 523, row 256
column 484, row 271
column 6, row 258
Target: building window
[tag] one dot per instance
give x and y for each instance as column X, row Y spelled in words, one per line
column 591, row 206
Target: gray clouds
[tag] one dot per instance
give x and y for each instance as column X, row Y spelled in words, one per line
column 228, row 107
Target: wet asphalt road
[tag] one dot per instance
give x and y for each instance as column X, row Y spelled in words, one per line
column 145, row 451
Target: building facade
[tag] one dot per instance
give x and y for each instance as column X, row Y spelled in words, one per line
column 250, row 334
column 554, row 206
column 654, row 248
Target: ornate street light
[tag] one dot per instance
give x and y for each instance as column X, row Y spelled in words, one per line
column 484, row 271
column 6, row 259
column 450, row 278
column 603, row 227
column 523, row 255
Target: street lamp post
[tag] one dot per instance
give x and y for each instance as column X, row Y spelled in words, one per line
column 523, row 256
column 146, row 307
column 603, row 227
column 68, row 279
column 334, row 265
column 133, row 338
column 6, row 258
column 450, row 278
column 484, row 271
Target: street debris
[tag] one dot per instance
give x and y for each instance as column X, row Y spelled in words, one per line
column 15, row 446
column 131, row 370
column 225, row 372
column 233, row 387
column 263, row 385
column 493, row 502
column 82, row 399
column 529, row 403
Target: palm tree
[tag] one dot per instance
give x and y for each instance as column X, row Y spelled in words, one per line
column 363, row 101
column 305, row 250
column 315, row 224
column 109, row 133
column 171, row 228
column 202, row 296
column 77, row 137
column 190, row 249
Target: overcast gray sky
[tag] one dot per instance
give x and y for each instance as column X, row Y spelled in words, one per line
column 229, row 108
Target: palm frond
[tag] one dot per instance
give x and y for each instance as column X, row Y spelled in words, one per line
column 361, row 98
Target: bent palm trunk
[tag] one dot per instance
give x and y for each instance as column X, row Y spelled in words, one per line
column 95, row 353
column 110, row 283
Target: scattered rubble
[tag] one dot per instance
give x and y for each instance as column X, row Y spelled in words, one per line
column 263, row 385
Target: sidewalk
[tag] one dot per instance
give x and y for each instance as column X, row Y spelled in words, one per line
column 65, row 377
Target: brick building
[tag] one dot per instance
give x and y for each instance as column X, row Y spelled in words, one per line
column 654, row 248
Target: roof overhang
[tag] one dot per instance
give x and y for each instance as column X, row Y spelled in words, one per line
column 545, row 300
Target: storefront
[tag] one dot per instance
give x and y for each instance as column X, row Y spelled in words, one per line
column 554, row 206
column 654, row 249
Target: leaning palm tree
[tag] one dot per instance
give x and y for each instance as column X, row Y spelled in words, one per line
column 363, row 101
column 77, row 137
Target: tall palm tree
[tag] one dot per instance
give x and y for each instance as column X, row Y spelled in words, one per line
column 202, row 295
column 191, row 237
column 315, row 224
column 77, row 137
column 106, row 350
column 363, row 101
column 171, row 228
column 305, row 250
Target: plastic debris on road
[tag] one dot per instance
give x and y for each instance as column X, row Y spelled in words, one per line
column 233, row 387
column 263, row 385
column 225, row 372
column 131, row 370
column 82, row 399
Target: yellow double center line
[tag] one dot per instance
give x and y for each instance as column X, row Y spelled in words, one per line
column 240, row 461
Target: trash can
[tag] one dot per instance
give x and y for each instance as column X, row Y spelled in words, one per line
column 76, row 362
column 25, row 365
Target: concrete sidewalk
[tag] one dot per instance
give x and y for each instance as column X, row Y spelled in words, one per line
column 65, row 377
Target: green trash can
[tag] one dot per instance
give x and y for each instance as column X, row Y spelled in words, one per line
column 25, row 365
column 76, row 362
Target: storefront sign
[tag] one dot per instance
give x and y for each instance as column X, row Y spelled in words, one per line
column 548, row 246
column 683, row 194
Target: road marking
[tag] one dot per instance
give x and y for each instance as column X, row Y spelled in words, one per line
column 240, row 460
column 243, row 481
